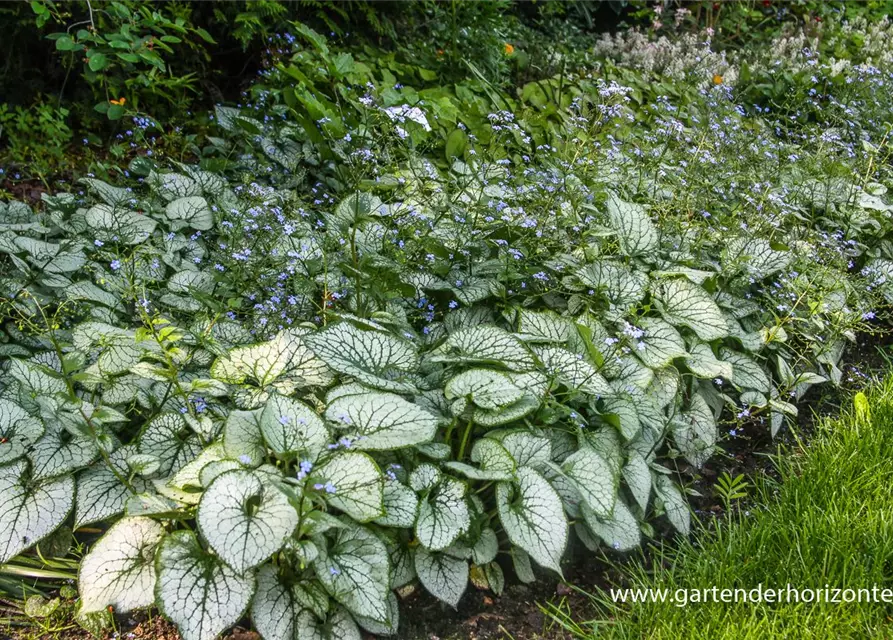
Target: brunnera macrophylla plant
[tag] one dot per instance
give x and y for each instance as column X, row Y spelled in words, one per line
column 287, row 409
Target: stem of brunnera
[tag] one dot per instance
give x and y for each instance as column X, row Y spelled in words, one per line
column 449, row 432
column 465, row 435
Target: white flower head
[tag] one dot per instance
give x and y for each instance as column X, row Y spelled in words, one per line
column 404, row 112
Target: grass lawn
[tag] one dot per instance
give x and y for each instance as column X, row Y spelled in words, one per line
column 829, row 521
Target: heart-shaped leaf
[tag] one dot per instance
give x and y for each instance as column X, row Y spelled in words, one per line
column 289, row 426
column 444, row 576
column 533, row 517
column 119, row 570
column 354, row 569
column 244, row 520
column 381, row 420
column 443, row 515
column 30, row 510
column 374, row 358
column 196, row 590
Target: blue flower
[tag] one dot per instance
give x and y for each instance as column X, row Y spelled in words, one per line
column 305, row 467
column 115, row 265
column 328, row 487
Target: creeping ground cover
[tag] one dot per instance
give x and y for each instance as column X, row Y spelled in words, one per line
column 355, row 347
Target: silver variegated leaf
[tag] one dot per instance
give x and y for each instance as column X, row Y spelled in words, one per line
column 400, row 505
column 355, row 570
column 86, row 290
column 190, row 282
column 486, row 388
column 119, row 570
column 100, row 493
column 287, row 608
column 191, row 211
column 170, row 439
column 694, row 431
column 58, row 452
column 675, row 504
column 374, row 358
column 619, row 530
column 171, row 186
column 543, row 326
column 289, row 426
column 661, row 343
column 356, row 208
column 746, row 372
column 704, row 364
column 493, row 460
column 358, row 484
column 52, row 259
column 18, row 431
column 378, row 420
column 443, row 515
column 485, row 344
column 196, row 590
column 30, row 511
column 242, row 437
column 685, row 303
column 387, row 628
column 475, row 289
column 36, row 378
column 622, row 287
column 262, row 364
column 593, row 478
column 187, row 481
column 637, row 475
column 515, row 411
column 634, row 229
column 114, row 224
column 444, row 576
column 533, row 517
column 750, row 340
column 525, row 448
column 621, row 411
column 485, row 547
column 574, row 371
column 632, row 373
column 109, row 194
column 424, row 477
column 403, row 571
column 521, row 562
column 755, row 255
column 244, row 520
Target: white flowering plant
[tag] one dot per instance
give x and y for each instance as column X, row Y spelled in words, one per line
column 339, row 367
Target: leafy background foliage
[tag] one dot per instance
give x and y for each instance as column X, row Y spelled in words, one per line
column 379, row 333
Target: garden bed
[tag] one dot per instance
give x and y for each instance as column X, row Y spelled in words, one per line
column 372, row 344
